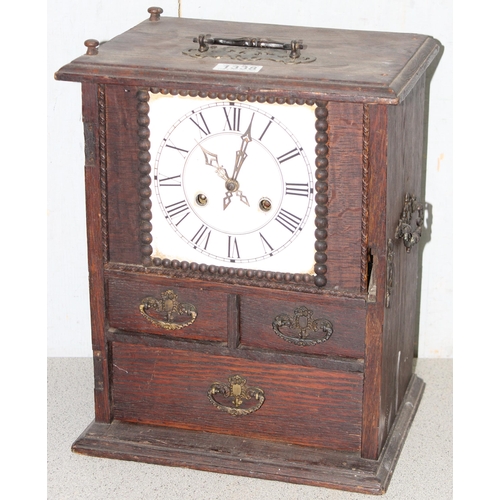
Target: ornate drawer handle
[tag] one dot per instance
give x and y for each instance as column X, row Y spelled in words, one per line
column 404, row 230
column 172, row 310
column 238, row 390
column 302, row 325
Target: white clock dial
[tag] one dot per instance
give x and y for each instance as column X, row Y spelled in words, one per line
column 233, row 183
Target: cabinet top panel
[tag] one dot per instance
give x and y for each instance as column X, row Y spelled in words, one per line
column 333, row 64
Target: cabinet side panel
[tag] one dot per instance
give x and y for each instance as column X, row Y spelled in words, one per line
column 123, row 174
column 396, row 140
column 91, row 95
column 376, row 242
column 404, row 168
column 345, row 195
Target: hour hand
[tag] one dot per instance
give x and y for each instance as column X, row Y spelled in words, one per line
column 212, row 160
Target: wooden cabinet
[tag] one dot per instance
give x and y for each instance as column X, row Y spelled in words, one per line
column 276, row 340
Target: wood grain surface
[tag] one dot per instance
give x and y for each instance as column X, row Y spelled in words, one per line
column 350, row 65
column 302, row 405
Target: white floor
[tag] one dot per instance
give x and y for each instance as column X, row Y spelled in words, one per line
column 424, row 470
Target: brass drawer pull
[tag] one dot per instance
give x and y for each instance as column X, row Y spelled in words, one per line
column 174, row 314
column 301, row 325
column 404, row 230
column 238, row 390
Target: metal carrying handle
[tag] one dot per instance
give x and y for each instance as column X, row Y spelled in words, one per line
column 295, row 46
column 171, row 310
column 238, row 391
column 404, row 231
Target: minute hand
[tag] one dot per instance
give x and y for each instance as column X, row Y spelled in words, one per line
column 241, row 154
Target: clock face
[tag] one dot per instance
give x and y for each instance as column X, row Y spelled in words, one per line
column 233, row 183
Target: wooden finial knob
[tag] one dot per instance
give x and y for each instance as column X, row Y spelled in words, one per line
column 155, row 13
column 91, row 46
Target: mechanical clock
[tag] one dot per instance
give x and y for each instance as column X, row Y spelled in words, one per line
column 254, row 200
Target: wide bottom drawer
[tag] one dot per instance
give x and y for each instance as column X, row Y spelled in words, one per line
column 248, row 398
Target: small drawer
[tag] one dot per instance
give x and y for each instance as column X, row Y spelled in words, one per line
column 330, row 326
column 235, row 396
column 152, row 304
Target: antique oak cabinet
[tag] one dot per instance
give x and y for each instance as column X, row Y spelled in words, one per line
column 253, row 200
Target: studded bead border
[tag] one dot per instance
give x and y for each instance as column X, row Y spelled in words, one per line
column 145, row 204
column 321, row 220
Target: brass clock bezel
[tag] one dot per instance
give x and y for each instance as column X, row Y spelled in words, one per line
column 222, row 273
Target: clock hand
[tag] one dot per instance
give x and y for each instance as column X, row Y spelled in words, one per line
column 241, row 154
column 212, row 160
column 229, row 195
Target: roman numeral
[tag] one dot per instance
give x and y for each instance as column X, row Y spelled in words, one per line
column 265, row 130
column 233, row 251
column 265, row 244
column 297, row 189
column 201, row 237
column 288, row 220
column 199, row 121
column 289, row 155
column 174, row 181
column 232, row 117
column 177, row 210
column 183, row 152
